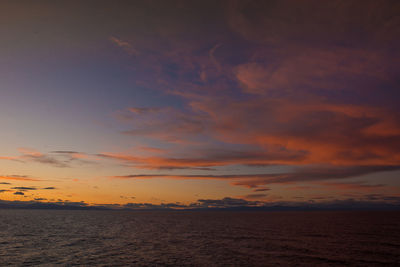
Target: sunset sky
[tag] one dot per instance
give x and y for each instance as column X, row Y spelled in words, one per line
column 116, row 102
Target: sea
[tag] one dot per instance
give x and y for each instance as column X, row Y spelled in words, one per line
column 199, row 238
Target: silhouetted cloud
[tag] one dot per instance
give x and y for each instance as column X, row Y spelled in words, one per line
column 304, row 174
column 24, row 188
column 19, row 193
column 254, row 196
column 371, row 201
column 226, row 202
column 261, row 189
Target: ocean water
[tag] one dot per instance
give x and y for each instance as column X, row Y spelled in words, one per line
column 164, row 238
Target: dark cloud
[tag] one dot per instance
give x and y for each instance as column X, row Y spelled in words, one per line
column 125, row 197
column 24, row 188
column 4, row 183
column 255, row 196
column 153, row 206
column 72, row 203
column 50, row 188
column 225, row 203
column 261, row 189
column 371, row 201
column 382, row 197
column 4, row 190
column 19, row 193
column 357, row 186
column 304, row 174
column 65, row 152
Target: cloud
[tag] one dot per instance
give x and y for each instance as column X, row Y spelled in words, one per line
column 275, row 132
column 152, row 149
column 153, row 206
column 60, row 159
column 73, row 155
column 125, row 197
column 28, row 188
column 65, row 152
column 125, row 45
column 4, row 183
column 357, row 186
column 4, row 190
column 368, row 202
column 296, row 90
column 207, row 158
column 226, row 202
column 254, row 196
column 41, row 203
column 147, row 110
column 24, row 188
column 168, row 124
column 18, row 178
column 9, row 158
column 36, row 156
column 337, row 22
column 304, row 174
column 261, row 189
column 19, row 193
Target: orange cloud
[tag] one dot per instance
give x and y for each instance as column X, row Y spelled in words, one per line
column 283, row 132
column 306, row 95
column 9, row 158
column 18, row 178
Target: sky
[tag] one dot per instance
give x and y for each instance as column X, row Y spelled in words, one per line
column 181, row 103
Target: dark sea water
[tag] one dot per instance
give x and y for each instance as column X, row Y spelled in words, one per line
column 123, row 238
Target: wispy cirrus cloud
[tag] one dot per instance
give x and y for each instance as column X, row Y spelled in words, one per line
column 305, row 174
column 18, row 178
column 60, row 159
column 205, row 158
column 36, row 156
column 128, row 47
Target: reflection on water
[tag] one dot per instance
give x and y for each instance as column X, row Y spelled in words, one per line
column 119, row 238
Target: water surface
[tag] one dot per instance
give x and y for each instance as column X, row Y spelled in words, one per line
column 164, row 238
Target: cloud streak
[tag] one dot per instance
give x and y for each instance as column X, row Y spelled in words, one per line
column 308, row 174
column 18, row 178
